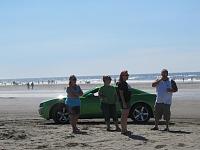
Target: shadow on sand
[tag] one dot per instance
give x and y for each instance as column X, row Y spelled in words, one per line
column 135, row 137
column 151, row 123
column 179, row 132
column 138, row 137
column 99, row 122
column 81, row 132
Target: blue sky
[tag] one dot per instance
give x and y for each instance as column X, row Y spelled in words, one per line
column 88, row 37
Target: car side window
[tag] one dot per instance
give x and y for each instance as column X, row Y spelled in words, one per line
column 96, row 94
column 93, row 93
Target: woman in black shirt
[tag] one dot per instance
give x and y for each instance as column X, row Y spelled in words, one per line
column 124, row 98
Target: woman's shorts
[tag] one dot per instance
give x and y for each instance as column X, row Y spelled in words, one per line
column 73, row 105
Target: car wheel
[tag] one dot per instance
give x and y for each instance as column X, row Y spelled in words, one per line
column 60, row 114
column 140, row 113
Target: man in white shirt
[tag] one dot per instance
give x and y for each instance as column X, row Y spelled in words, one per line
column 164, row 89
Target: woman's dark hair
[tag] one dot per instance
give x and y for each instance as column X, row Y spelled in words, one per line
column 125, row 72
column 165, row 70
column 106, row 78
column 72, row 78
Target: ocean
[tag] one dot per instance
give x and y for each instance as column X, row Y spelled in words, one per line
column 179, row 77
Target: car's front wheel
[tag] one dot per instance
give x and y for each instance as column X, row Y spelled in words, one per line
column 60, row 114
column 140, row 113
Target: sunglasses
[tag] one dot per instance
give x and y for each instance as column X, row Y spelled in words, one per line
column 126, row 75
column 73, row 79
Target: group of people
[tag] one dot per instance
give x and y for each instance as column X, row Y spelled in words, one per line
column 109, row 96
column 30, row 85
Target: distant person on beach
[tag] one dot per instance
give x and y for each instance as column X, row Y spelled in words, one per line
column 164, row 89
column 28, row 85
column 124, row 99
column 32, row 85
column 73, row 102
column 115, row 80
column 108, row 98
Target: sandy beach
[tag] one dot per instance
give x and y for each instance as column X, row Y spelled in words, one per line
column 21, row 127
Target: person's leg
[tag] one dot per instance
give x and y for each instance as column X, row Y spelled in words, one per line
column 74, row 118
column 167, row 125
column 70, row 116
column 72, row 121
column 124, row 117
column 156, row 122
column 105, row 110
column 108, row 125
column 113, row 113
column 157, row 115
column 167, row 114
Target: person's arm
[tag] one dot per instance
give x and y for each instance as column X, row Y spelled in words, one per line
column 156, row 82
column 174, row 87
column 80, row 91
column 121, row 94
column 116, row 96
column 101, row 95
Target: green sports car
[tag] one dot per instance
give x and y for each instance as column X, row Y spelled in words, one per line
column 142, row 104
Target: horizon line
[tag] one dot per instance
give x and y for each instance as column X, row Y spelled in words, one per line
column 92, row 75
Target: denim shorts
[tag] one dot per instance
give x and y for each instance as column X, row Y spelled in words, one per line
column 71, row 102
column 73, row 105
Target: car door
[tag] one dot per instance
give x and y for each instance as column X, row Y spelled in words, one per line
column 90, row 105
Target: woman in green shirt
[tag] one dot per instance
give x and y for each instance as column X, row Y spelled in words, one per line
column 108, row 97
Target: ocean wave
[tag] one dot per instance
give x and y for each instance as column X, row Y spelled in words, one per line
column 133, row 78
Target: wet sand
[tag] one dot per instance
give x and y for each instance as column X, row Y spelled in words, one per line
column 21, row 127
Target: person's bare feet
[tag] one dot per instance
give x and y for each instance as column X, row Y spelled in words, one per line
column 118, row 129
column 76, row 130
column 166, row 129
column 154, row 128
column 108, row 129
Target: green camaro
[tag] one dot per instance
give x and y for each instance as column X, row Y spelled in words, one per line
column 141, row 111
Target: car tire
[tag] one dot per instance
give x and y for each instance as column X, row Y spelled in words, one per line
column 60, row 114
column 140, row 113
